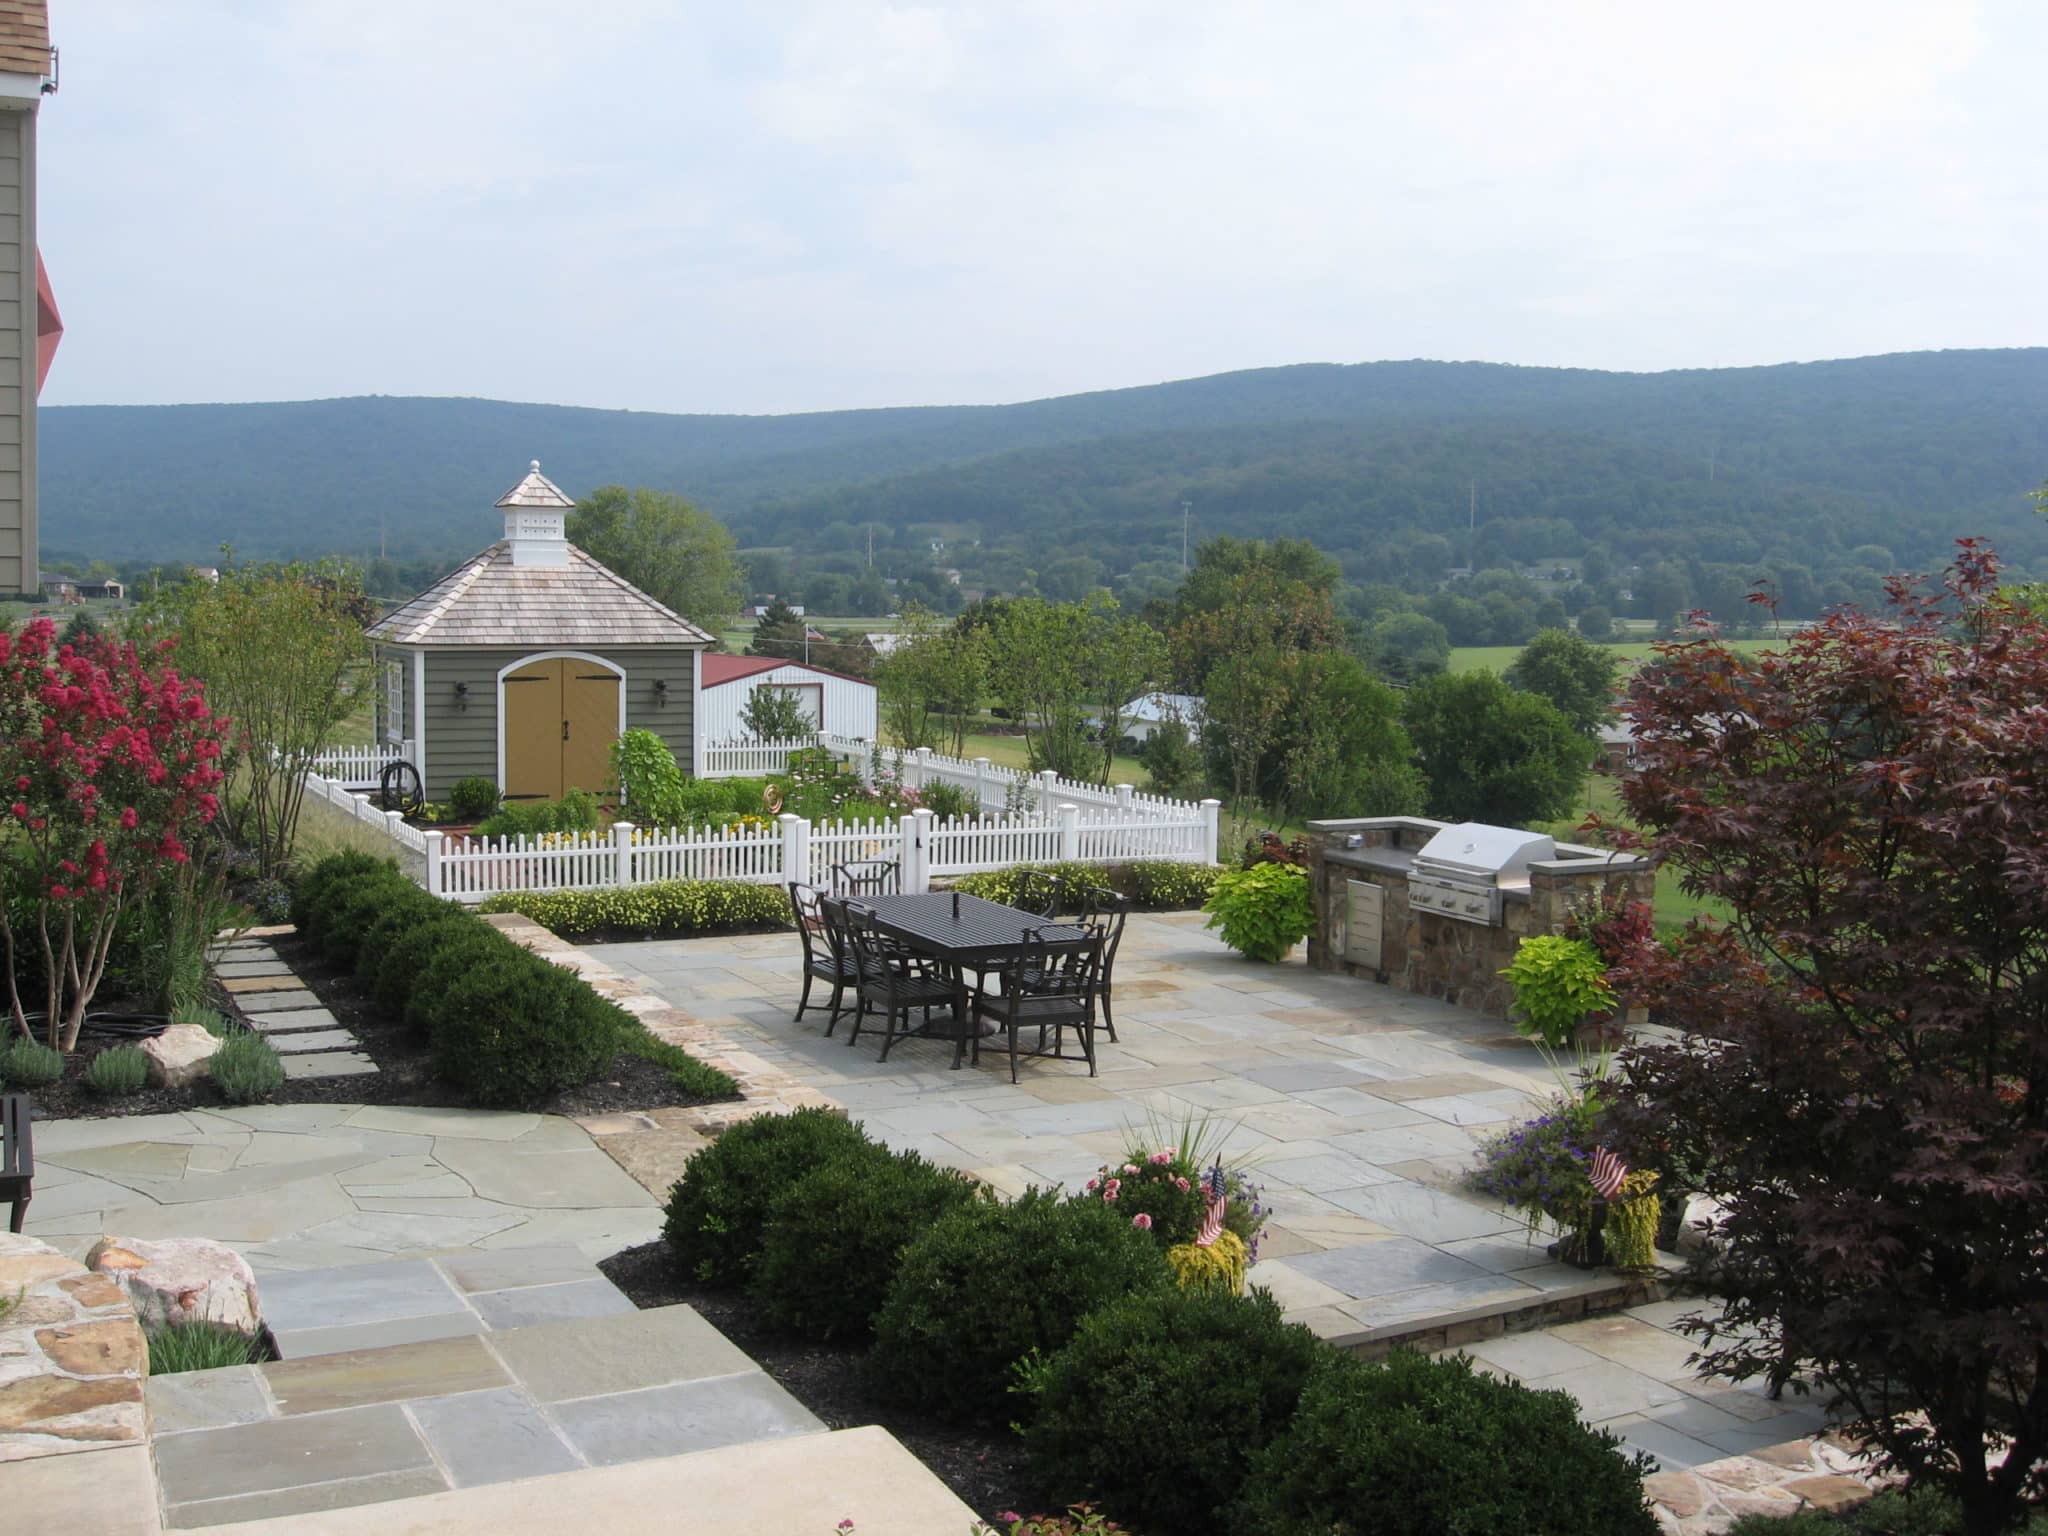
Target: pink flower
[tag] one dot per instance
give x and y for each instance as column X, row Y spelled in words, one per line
column 1008, row 1516
column 1109, row 1194
column 1092, row 1185
column 1160, row 1158
column 1142, row 1222
column 1181, row 1184
column 1130, row 1167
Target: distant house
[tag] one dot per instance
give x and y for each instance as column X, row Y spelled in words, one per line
column 1147, row 713
column 29, row 325
column 206, row 572
column 1617, row 747
column 831, row 701
column 760, row 610
column 883, row 644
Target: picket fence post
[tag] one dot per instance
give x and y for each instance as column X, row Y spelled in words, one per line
column 796, row 849
column 1123, row 796
column 1070, row 833
column 1047, row 779
column 433, row 841
column 923, row 768
column 921, row 839
column 980, row 785
column 1209, row 810
column 622, row 853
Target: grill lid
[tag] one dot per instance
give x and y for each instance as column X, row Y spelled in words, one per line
column 1474, row 851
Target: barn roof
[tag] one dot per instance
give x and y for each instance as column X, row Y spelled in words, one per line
column 730, row 669
column 488, row 600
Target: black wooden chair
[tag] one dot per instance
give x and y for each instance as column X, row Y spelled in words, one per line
column 1049, row 987
column 1105, row 911
column 825, row 957
column 17, row 1156
column 893, row 980
column 870, row 877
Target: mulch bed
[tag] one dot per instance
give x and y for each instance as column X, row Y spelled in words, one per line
column 987, row 1471
column 404, row 1075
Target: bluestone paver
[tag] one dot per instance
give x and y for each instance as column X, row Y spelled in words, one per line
column 688, row 1416
column 535, row 1304
column 491, row 1437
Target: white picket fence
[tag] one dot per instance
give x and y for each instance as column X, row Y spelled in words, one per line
column 360, row 767
column 338, row 794
column 470, row 869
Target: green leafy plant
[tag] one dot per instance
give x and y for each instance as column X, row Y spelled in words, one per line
column 651, row 783
column 1160, row 1401
column 1889, row 1513
column 349, row 917
column 577, row 811
column 209, row 1019
column 118, row 1071
column 1154, row 884
column 269, row 900
column 670, row 908
column 719, row 1210
column 1559, row 983
column 1263, row 911
column 246, row 1069
column 418, row 956
column 200, row 1347
column 473, row 798
column 830, row 1249
column 1539, row 1168
column 30, row 1064
column 312, row 885
column 987, row 1287
column 951, row 802
column 1431, row 1445
column 693, row 1077
column 776, row 714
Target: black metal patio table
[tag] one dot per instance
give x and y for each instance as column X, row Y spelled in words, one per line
column 964, row 933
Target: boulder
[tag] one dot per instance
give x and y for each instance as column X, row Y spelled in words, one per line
column 1699, row 1226
column 180, row 1280
column 179, row 1055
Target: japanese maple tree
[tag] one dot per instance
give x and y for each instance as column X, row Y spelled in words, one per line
column 110, row 761
column 1863, row 1064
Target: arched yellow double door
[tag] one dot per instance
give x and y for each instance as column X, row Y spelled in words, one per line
column 561, row 718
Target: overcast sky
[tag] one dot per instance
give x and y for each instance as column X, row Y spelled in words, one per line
column 778, row 207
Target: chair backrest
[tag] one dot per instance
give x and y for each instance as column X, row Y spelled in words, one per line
column 832, row 913
column 878, row 957
column 1055, row 967
column 1038, row 892
column 1105, row 912
column 870, row 877
column 810, row 918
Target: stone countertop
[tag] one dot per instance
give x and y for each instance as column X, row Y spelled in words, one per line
column 1385, row 861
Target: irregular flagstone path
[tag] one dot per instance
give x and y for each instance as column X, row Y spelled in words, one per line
column 1359, row 1107
column 298, row 1186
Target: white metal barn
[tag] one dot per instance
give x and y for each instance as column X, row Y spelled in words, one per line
column 832, row 700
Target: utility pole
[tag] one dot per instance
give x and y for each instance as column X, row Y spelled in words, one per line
column 1472, row 509
column 871, row 552
column 1186, row 511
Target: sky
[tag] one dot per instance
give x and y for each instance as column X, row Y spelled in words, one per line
column 672, row 206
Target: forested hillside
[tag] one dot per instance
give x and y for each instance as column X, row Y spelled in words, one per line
column 1827, row 466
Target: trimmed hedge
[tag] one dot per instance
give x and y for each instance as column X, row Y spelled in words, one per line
column 831, row 1246
column 668, row 909
column 1157, row 1405
column 719, row 1210
column 503, row 1024
column 987, row 1287
column 1152, row 884
column 1432, row 1445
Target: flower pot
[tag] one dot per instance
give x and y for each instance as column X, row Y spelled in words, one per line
column 1601, row 1032
column 1584, row 1247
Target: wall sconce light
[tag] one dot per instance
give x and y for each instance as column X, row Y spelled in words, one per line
column 660, row 692
column 462, row 696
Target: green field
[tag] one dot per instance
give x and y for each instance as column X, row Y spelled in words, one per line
column 1498, row 658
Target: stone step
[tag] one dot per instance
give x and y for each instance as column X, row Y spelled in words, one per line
column 765, row 1488
column 369, row 1426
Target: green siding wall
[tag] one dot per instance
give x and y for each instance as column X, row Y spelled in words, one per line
column 462, row 742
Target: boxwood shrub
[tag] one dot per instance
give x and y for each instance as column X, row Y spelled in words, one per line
column 514, row 1033
column 1431, row 1445
column 671, row 908
column 718, row 1211
column 335, row 867
column 1159, row 1402
column 350, row 911
column 1154, row 884
column 407, row 958
column 831, row 1246
column 988, row 1286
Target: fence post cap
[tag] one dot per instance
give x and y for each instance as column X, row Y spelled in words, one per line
column 1212, row 802
column 433, row 835
column 787, row 817
column 622, row 826
column 981, row 760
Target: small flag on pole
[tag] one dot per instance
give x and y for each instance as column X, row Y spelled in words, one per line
column 1606, row 1173
column 1218, row 1203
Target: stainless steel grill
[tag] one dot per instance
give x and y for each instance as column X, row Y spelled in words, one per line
column 1461, row 872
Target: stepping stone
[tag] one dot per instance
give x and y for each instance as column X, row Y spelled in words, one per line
column 279, row 1002
column 239, row 968
column 264, row 931
column 315, row 1040
column 294, row 1019
column 241, row 952
column 241, row 985
column 328, row 1064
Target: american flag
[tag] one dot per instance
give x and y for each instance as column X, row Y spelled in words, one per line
column 1218, row 1203
column 1607, row 1172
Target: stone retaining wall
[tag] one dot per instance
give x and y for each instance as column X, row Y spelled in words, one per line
column 72, row 1356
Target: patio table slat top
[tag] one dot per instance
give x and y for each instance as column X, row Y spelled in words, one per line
column 984, row 929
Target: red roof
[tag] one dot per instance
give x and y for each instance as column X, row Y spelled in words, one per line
column 720, row 668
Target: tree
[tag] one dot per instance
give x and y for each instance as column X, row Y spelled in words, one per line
column 1343, row 751
column 1037, row 654
column 1861, row 1063
column 282, row 652
column 1488, row 753
column 779, row 632
column 1573, row 673
column 930, row 685
column 1596, row 624
column 666, row 547
column 1126, row 660
column 1172, row 759
column 1410, row 645
column 775, row 714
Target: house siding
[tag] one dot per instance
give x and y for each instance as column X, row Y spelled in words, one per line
column 464, row 742
column 18, row 527
column 849, row 706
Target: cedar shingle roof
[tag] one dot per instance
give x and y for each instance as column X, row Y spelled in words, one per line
column 24, row 37
column 491, row 601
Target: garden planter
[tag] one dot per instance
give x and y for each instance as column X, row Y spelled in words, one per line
column 1584, row 1247
column 1601, row 1031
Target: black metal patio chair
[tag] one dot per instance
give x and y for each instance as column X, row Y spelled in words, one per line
column 869, row 877
column 1048, row 987
column 893, row 979
column 1106, row 911
column 825, row 956
column 1039, row 892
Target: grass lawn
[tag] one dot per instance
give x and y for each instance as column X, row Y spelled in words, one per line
column 1498, row 658
column 1672, row 906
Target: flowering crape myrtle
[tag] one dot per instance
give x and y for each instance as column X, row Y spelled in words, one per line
column 1862, row 1070
column 111, row 762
